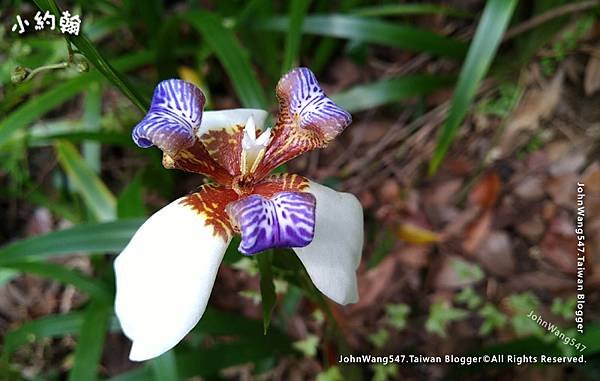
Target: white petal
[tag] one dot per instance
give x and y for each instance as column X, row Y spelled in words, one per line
column 332, row 258
column 164, row 279
column 217, row 120
column 250, row 130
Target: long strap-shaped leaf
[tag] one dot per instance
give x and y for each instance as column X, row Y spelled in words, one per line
column 97, row 196
column 488, row 35
column 389, row 90
column 37, row 106
column 372, row 31
column 231, row 55
column 91, row 341
column 93, row 55
column 101, row 237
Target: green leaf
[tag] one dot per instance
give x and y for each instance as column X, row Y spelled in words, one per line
column 307, row 346
column 495, row 18
column 232, row 56
column 37, row 106
column 291, row 55
column 91, row 117
column 41, row 104
column 50, row 326
column 409, row 9
column 372, row 31
column 440, row 315
column 97, row 237
column 209, row 361
column 91, row 341
column 100, row 63
column 130, row 203
column 164, row 367
column 397, row 315
column 385, row 91
column 96, row 195
column 93, row 287
column 267, row 288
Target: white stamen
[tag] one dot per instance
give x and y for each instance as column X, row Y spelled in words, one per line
column 253, row 147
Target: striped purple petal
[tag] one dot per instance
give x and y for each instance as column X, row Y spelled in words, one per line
column 285, row 220
column 307, row 102
column 173, row 118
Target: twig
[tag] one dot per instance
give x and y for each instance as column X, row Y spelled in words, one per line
column 549, row 15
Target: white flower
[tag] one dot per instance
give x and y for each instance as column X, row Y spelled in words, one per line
column 166, row 273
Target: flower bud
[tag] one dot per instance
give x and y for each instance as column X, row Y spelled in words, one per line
column 20, row 74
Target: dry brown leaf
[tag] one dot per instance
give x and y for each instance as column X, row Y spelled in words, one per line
column 415, row 256
column 562, row 189
column 477, row 232
column 531, row 188
column 443, row 193
column 537, row 104
column 558, row 245
column 591, row 81
column 485, row 193
column 538, row 280
column 496, row 254
column 531, row 228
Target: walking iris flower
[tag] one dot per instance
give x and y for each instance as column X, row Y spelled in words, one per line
column 166, row 273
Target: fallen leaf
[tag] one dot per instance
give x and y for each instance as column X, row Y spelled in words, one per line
column 485, row 193
column 562, row 189
column 389, row 192
column 538, row 280
column 532, row 228
column 496, row 254
column 570, row 163
column 416, row 235
column 415, row 256
column 443, row 193
column 476, row 232
column 537, row 104
column 591, row 82
column 559, row 244
column 531, row 188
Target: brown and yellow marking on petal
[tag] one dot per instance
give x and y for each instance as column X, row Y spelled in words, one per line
column 280, row 183
column 210, row 202
column 307, row 119
column 225, row 147
column 196, row 159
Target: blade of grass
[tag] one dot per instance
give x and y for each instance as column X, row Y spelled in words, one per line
column 90, row 342
column 267, row 288
column 130, row 203
column 97, row 196
column 86, row 238
column 91, row 121
column 100, row 63
column 327, row 46
column 372, row 31
column 50, row 326
column 409, row 9
column 91, row 286
column 493, row 23
column 37, row 106
column 231, row 55
column 367, row 96
column 291, row 55
column 164, row 367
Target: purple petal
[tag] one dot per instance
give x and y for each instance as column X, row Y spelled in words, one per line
column 300, row 90
column 173, row 118
column 285, row 220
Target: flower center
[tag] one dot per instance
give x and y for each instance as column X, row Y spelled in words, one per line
column 253, row 147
